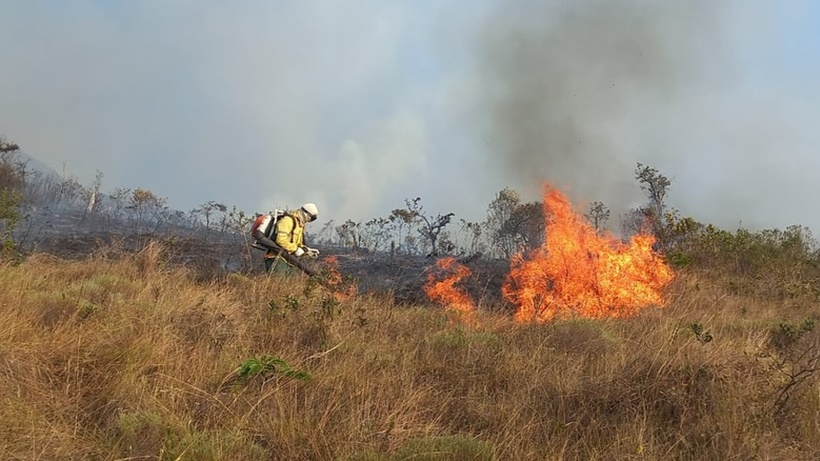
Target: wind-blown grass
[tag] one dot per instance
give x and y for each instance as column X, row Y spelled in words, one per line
column 123, row 357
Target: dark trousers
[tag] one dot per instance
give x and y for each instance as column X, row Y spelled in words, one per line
column 278, row 266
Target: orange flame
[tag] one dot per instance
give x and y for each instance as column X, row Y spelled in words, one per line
column 580, row 272
column 333, row 279
column 445, row 290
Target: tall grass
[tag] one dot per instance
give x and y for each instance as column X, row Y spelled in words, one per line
column 123, row 357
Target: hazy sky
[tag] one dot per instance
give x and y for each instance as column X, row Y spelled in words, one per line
column 356, row 105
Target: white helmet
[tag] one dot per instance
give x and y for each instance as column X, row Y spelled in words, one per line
column 311, row 211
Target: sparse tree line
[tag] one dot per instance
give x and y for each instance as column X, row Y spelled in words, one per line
column 30, row 194
column 512, row 225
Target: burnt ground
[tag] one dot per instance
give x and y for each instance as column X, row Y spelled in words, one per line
column 211, row 254
column 404, row 276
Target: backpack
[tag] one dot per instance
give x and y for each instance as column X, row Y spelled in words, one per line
column 265, row 223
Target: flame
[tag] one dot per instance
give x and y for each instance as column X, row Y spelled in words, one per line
column 342, row 289
column 577, row 271
column 445, row 291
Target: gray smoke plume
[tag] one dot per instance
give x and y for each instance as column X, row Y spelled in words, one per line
column 572, row 90
column 363, row 107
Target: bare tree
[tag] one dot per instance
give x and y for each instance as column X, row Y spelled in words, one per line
column 403, row 220
column 212, row 215
column 498, row 214
column 348, row 233
column 525, row 227
column 376, row 232
column 598, row 215
column 473, row 231
column 656, row 187
column 69, row 191
column 429, row 227
column 146, row 207
column 92, row 194
column 513, row 226
column 238, row 224
column 118, row 206
column 208, row 210
column 325, row 234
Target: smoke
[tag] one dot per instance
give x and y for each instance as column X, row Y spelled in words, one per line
column 260, row 105
column 362, row 176
column 572, row 90
column 357, row 107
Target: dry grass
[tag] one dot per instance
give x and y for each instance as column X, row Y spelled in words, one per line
column 121, row 357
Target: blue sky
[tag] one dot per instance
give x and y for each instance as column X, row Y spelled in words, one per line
column 357, row 105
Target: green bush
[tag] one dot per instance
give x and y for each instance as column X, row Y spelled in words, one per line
column 268, row 364
column 771, row 263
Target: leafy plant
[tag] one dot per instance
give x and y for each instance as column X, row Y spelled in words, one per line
column 679, row 259
column 786, row 334
column 10, row 202
column 12, row 181
column 292, row 302
column 268, row 364
column 700, row 334
column 796, row 354
column 330, row 307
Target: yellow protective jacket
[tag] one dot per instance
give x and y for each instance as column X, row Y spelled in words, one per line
column 289, row 233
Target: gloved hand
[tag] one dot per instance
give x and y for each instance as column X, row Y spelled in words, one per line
column 299, row 252
column 312, row 252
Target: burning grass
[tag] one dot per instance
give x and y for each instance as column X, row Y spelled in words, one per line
column 580, row 272
column 442, row 287
column 128, row 358
column 577, row 272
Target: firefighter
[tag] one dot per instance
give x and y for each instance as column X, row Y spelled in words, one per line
column 288, row 234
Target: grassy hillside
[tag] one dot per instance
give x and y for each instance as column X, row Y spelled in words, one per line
column 122, row 357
